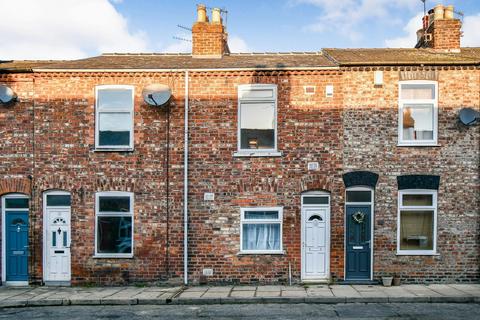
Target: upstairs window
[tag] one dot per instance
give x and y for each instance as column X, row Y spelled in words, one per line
column 114, row 117
column 417, row 219
column 418, row 113
column 257, row 117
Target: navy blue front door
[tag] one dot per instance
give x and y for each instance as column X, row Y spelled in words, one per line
column 358, row 234
column 16, row 244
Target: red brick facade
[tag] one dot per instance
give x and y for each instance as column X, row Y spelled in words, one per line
column 48, row 143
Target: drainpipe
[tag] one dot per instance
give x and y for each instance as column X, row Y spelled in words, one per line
column 185, row 188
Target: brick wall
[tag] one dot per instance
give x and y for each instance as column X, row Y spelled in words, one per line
column 370, row 143
column 356, row 129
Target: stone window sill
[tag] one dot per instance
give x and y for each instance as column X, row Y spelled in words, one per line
column 257, row 154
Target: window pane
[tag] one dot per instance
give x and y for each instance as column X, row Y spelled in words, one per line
column 418, row 91
column 16, row 203
column 58, row 200
column 114, row 129
column 261, row 236
column 257, row 123
column 114, row 99
column 359, row 196
column 261, row 214
column 418, row 122
column 416, row 230
column 315, row 200
column 114, row 204
column 417, row 200
column 114, row 235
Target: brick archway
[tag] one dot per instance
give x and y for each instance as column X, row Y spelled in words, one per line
column 15, row 185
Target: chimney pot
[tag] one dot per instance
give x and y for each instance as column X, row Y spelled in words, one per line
column 216, row 17
column 438, row 12
column 201, row 13
column 448, row 13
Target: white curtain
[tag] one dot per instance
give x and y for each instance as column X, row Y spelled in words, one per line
column 261, row 237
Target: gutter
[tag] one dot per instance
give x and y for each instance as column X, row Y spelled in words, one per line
column 185, row 187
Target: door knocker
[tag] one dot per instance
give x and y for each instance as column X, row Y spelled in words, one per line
column 358, row 217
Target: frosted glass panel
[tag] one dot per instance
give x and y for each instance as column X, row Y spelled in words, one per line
column 257, row 115
column 418, row 91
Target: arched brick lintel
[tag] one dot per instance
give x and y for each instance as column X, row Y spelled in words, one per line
column 15, row 185
column 316, row 183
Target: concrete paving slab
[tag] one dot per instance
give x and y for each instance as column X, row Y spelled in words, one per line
column 473, row 289
column 319, row 292
column 202, row 289
column 397, row 292
column 244, row 288
column 268, row 293
column 446, row 290
column 344, row 291
column 293, row 293
column 242, row 294
column 269, row 288
column 421, row 291
column 220, row 289
column 293, row 288
column 216, row 294
column 191, row 294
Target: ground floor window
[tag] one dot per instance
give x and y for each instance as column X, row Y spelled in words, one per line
column 261, row 230
column 417, row 216
column 114, row 224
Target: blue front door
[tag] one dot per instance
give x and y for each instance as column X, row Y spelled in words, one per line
column 16, row 244
column 358, row 242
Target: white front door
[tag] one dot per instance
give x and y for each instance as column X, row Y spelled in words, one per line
column 57, row 244
column 315, row 243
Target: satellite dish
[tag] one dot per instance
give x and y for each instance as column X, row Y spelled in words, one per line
column 157, row 94
column 468, row 116
column 6, row 94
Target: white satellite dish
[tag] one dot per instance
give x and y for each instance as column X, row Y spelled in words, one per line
column 468, row 116
column 157, row 94
column 6, row 94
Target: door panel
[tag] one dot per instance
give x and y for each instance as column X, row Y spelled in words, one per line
column 16, row 245
column 315, row 243
column 58, row 245
column 358, row 244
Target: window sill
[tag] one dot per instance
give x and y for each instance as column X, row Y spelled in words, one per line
column 249, row 253
column 248, row 154
column 101, row 256
column 405, row 144
column 417, row 253
column 113, row 149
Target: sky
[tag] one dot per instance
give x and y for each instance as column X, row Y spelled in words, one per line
column 74, row 29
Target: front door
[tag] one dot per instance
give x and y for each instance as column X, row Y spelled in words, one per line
column 16, row 245
column 315, row 257
column 358, row 243
column 57, row 244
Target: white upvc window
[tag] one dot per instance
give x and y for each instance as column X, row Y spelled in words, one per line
column 261, row 230
column 114, row 224
column 418, row 113
column 257, row 119
column 417, row 222
column 114, row 111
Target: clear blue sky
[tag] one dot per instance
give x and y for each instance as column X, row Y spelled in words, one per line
column 69, row 29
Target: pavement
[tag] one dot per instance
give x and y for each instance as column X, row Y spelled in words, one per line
column 326, row 294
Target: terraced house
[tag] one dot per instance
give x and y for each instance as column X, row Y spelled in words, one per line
column 338, row 165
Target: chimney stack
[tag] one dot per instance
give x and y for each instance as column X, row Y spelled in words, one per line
column 209, row 39
column 441, row 30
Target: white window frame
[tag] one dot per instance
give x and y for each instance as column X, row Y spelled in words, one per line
column 274, row 99
column 433, row 208
column 119, row 110
column 261, row 221
column 403, row 102
column 113, row 214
